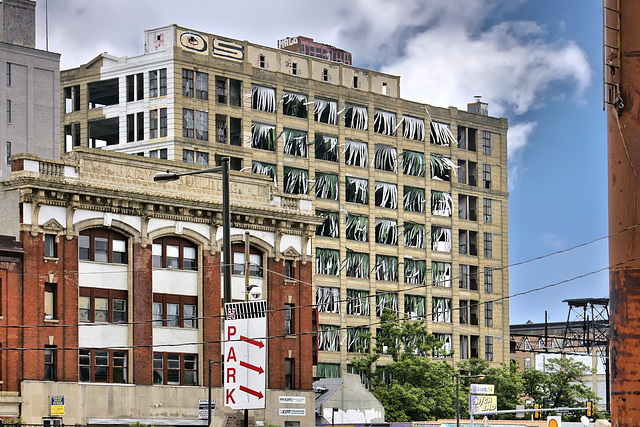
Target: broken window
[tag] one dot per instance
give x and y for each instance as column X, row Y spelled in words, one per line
column 440, row 239
column 486, row 142
column 468, row 242
column 445, row 349
column 486, row 210
column 384, row 122
column 441, row 168
column 263, row 98
column 415, row 271
column 387, row 269
column 467, row 207
column 187, row 123
column 357, row 265
column 263, row 136
column 327, row 261
column 158, row 83
column 358, row 340
column 386, row 195
column 103, row 132
column 235, row 131
column 197, row 157
column 202, row 85
column 486, row 176
column 464, row 347
column 414, row 306
column 468, row 171
column 294, row 105
column 265, row 169
column 325, row 75
column 357, row 227
column 488, row 243
column 357, row 302
column 71, row 136
column 463, row 308
column 386, row 300
column 463, row 276
column 327, row 299
column 441, row 203
column 326, row 147
column 473, row 312
column 386, row 231
column 413, row 128
column 414, row 235
column 329, row 227
column 356, row 117
column 488, row 279
column 187, row 83
column 385, row 158
column 413, row 163
column 296, row 181
column 413, row 199
column 328, row 338
column 467, row 138
column 441, row 134
column 441, row 274
column 202, row 125
column 357, row 190
column 72, row 99
column 473, row 277
column 221, row 129
column 103, row 93
column 295, row 142
column 326, row 186
column 441, row 309
column 356, row 153
column 325, row 111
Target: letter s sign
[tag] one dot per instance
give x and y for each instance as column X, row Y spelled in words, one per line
column 227, row 49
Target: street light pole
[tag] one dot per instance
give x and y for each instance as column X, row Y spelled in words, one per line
column 480, row 376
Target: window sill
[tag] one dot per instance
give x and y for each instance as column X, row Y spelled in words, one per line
column 51, row 258
column 290, row 337
column 51, row 321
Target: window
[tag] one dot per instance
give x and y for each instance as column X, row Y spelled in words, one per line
column 102, row 366
column 384, row 122
column 289, row 370
column 263, row 136
column 175, row 369
column 135, row 87
column 50, row 300
column 486, row 142
column 158, row 80
column 357, row 265
column 328, row 338
column 486, row 210
column 441, row 134
column 488, row 314
column 414, row 306
column 358, row 339
column 325, row 111
column 488, row 349
column 357, row 302
column 187, row 83
column 294, row 105
column 72, row 136
column 468, row 242
column 296, row 181
column 327, row 299
column 295, row 142
column 527, row 362
column 187, row 123
column 385, row 158
column 158, row 154
column 486, row 176
column 384, row 88
column 102, row 246
column 355, row 82
column 488, row 279
column 97, row 305
column 463, row 307
column 357, row 190
column 488, row 245
column 261, row 61
column 8, row 111
column 441, row 274
column 356, row 117
column 202, row 85
column 8, row 74
column 154, row 125
column 50, row 246
column 72, row 98
column 415, row 271
column 386, row 231
column 386, row 268
column 177, row 311
column 441, row 309
column 263, row 98
column 135, row 127
column 357, row 227
column 327, row 261
column 294, row 68
column 325, row 75
column 174, row 252
column 289, row 328
column 356, row 153
column 441, row 168
column 328, row 370
column 255, row 261
column 288, row 269
column 49, row 363
column 467, row 138
column 467, row 171
column 197, row 157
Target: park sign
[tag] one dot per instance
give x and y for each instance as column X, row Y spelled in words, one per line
column 482, row 389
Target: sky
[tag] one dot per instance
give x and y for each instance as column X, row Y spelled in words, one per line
column 536, row 62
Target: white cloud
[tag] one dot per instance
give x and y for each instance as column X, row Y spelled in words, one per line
column 518, row 136
column 554, row 242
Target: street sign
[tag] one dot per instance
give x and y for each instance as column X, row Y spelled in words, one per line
column 203, row 413
column 484, row 403
column 245, row 353
column 482, row 389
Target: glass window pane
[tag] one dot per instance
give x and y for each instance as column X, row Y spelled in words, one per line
column 173, row 252
column 189, row 316
column 238, row 264
column 101, row 249
column 119, row 311
column 101, row 309
column 173, row 315
column 83, row 244
column 189, row 255
column 157, row 315
column 157, row 255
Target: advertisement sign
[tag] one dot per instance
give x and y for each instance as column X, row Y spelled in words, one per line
column 298, row 400
column 292, row 412
column 57, row 405
column 482, row 389
column 484, row 403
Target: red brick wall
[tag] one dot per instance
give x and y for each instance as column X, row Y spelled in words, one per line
column 211, row 323
column 142, row 366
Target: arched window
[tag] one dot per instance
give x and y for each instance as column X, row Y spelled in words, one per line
column 102, row 245
column 174, row 252
column 255, row 261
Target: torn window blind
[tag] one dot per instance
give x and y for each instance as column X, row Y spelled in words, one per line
column 265, row 169
column 386, row 231
column 441, row 168
column 415, row 271
column 413, row 199
column 325, row 111
column 413, row 163
column 384, row 122
column 326, row 186
column 326, row 147
column 327, row 299
column 441, row 309
column 357, row 265
column 415, row 235
column 357, row 340
column 385, row 158
column 441, row 274
column 386, row 195
column 357, row 190
column 356, row 117
column 386, row 268
column 296, row 181
column 356, row 153
column 357, row 302
column 202, row 86
column 357, row 227
column 327, row 261
column 263, row 136
column 445, row 342
column 263, row 98
column 414, row 306
column 441, row 134
column 441, row 203
column 328, row 370
column 294, row 105
column 386, row 300
column 202, row 125
column 440, row 239
column 329, row 227
column 328, row 338
column 295, row 142
column 413, row 128
column 417, row 344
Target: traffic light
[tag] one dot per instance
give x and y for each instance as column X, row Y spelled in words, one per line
column 536, row 414
column 589, row 408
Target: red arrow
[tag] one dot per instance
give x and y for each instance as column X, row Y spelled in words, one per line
column 258, row 369
column 257, row 343
column 257, row 394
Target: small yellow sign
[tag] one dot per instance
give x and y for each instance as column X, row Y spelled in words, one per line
column 57, row 405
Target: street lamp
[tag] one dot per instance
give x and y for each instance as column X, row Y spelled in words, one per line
column 480, row 376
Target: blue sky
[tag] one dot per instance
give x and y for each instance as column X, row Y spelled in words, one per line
column 536, row 62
